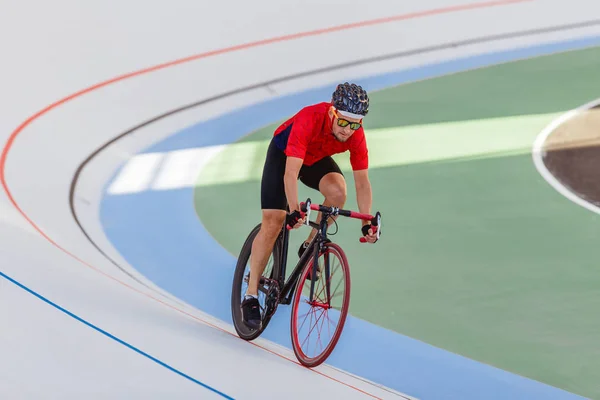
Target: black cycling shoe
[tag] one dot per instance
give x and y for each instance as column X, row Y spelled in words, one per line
column 251, row 313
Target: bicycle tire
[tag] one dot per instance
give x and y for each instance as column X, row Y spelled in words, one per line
column 313, row 361
column 242, row 330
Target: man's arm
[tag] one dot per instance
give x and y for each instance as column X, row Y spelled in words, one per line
column 364, row 195
column 290, row 181
column 364, row 198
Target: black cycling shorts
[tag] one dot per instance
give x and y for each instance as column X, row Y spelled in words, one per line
column 272, row 189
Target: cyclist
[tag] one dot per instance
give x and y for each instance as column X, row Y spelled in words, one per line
column 301, row 148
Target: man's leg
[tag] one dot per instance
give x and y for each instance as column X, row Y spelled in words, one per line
column 326, row 177
column 262, row 247
column 273, row 205
column 333, row 187
column 272, row 221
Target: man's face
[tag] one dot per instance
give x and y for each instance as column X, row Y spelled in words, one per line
column 342, row 134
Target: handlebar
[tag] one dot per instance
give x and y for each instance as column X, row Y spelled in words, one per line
column 375, row 220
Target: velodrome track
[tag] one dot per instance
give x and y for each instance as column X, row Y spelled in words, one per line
column 74, row 323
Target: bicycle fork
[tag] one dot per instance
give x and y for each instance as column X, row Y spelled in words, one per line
column 314, row 278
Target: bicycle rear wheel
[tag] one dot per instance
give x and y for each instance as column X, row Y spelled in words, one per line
column 317, row 324
column 268, row 289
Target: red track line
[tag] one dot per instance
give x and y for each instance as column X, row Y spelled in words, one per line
column 284, row 38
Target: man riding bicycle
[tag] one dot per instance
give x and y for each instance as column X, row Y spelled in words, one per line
column 301, row 148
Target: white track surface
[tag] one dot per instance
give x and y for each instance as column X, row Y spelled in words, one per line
column 53, row 49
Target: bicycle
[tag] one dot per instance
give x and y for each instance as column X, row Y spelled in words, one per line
column 274, row 289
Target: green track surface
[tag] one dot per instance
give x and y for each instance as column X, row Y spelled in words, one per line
column 479, row 255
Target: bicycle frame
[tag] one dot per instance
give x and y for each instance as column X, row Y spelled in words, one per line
column 286, row 293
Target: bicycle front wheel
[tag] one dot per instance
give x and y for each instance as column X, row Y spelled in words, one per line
column 317, row 323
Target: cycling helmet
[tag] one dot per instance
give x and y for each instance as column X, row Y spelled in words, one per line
column 351, row 100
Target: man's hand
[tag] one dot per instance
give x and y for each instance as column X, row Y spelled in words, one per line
column 368, row 233
column 295, row 219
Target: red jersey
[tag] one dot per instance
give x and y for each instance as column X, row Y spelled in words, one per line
column 308, row 135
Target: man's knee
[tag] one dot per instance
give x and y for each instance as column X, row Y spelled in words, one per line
column 272, row 222
column 333, row 187
column 337, row 197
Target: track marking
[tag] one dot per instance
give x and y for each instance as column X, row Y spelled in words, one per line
column 538, row 156
column 39, row 296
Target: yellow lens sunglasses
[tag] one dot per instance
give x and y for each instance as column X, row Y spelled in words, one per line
column 344, row 122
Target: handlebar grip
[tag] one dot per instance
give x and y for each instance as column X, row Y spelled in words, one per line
column 375, row 222
column 376, row 218
column 303, row 205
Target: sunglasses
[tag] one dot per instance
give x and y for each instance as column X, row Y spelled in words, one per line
column 344, row 122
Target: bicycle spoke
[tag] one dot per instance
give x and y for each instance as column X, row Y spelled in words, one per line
column 307, row 337
column 328, row 320
column 314, row 325
column 306, row 316
column 322, row 323
column 324, row 286
column 336, row 288
column 318, row 339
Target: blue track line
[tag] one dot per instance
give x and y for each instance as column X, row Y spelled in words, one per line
column 39, row 296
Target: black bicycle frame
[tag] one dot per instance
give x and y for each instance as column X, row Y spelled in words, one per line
column 285, row 296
